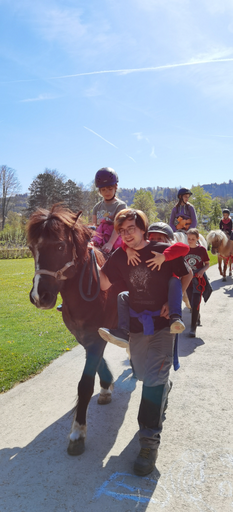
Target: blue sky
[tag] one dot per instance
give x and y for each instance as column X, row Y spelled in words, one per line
column 143, row 86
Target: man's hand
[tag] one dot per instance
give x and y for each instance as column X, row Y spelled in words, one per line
column 156, row 261
column 165, row 311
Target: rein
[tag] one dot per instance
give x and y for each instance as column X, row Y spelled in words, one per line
column 93, row 266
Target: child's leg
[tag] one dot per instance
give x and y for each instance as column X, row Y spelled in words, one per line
column 175, row 297
column 174, row 303
column 123, row 311
column 195, row 314
column 119, row 336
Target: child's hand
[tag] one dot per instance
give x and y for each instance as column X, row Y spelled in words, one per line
column 156, row 261
column 199, row 273
column 165, row 311
column 107, row 247
column 133, row 257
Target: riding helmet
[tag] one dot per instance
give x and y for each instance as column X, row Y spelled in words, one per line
column 184, row 191
column 226, row 211
column 161, row 227
column 106, row 177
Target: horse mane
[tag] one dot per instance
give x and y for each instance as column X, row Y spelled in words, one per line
column 218, row 237
column 60, row 223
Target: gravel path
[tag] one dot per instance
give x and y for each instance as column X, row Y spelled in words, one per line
column 194, row 470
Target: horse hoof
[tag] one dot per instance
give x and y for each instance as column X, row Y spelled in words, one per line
column 230, row 274
column 224, row 279
column 105, row 396
column 104, row 399
column 76, row 447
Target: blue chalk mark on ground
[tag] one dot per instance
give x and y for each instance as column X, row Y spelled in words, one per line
column 117, row 487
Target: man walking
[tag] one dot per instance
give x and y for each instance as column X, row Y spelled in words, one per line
column 151, row 343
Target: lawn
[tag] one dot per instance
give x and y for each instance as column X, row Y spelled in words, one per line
column 29, row 338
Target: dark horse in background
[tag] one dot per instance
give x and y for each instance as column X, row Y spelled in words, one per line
column 64, row 263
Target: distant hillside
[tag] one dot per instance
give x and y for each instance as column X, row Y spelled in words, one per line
column 222, row 190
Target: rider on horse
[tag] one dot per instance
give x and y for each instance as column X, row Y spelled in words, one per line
column 183, row 215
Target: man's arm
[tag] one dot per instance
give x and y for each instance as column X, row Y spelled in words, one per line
column 104, row 281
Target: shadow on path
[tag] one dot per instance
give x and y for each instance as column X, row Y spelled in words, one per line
column 43, row 477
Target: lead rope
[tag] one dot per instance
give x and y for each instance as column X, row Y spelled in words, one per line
column 93, row 266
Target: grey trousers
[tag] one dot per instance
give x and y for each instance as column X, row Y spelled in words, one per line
column 151, row 357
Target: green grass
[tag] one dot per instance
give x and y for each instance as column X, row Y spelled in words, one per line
column 29, row 338
column 213, row 258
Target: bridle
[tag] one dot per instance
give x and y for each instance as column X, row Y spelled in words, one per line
column 59, row 274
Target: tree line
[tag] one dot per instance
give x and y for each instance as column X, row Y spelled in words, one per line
column 51, row 187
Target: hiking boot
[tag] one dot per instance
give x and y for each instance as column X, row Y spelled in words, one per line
column 145, row 461
column 59, row 308
column 192, row 333
column 176, row 326
column 118, row 337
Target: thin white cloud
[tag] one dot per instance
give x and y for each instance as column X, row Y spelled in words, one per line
column 152, row 154
column 105, row 140
column 131, row 158
column 192, row 62
column 41, row 97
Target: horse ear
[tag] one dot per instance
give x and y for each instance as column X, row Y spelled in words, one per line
column 79, row 214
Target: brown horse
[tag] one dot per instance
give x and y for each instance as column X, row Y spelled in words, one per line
column 63, row 263
column 223, row 246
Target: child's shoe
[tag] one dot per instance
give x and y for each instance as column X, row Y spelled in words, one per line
column 176, row 326
column 118, row 337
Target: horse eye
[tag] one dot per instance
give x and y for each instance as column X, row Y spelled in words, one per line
column 60, row 247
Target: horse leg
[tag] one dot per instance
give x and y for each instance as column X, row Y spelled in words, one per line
column 230, row 263
column 106, row 378
column 220, row 265
column 224, row 270
column 85, row 392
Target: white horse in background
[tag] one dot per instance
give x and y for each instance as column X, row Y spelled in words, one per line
column 180, row 236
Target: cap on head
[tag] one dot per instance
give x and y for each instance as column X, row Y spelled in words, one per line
column 184, row 191
column 161, row 227
column 225, row 210
column 106, row 177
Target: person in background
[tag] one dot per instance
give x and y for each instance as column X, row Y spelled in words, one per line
column 198, row 260
column 226, row 222
column 183, row 215
column 104, row 211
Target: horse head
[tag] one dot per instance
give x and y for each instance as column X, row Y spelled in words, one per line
column 218, row 241
column 58, row 241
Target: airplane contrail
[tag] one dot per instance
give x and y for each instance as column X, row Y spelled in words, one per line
column 100, row 137
column 127, row 71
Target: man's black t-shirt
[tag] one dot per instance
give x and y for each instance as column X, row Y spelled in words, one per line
column 148, row 289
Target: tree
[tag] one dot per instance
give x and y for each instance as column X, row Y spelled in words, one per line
column 9, row 186
column 215, row 214
column 73, row 197
column 202, row 202
column 47, row 189
column 143, row 200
